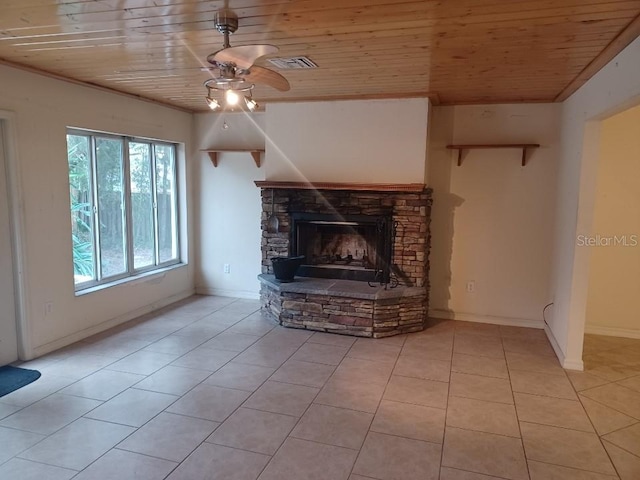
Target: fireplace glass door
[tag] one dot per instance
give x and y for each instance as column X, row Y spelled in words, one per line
column 346, row 247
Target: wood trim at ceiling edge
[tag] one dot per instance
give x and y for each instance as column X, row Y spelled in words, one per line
column 619, row 43
column 73, row 81
column 370, row 187
column 432, row 96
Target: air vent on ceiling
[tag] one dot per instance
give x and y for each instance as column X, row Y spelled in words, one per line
column 293, row 62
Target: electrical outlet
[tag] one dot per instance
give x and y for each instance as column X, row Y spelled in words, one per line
column 471, row 286
column 48, row 309
column 227, row 268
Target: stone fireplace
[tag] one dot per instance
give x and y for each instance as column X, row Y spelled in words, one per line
column 366, row 248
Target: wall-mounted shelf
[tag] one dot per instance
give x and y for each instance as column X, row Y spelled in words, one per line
column 213, row 154
column 523, row 146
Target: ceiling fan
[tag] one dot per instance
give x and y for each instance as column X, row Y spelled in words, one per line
column 233, row 73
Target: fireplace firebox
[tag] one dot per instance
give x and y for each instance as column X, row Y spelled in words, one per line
column 346, row 247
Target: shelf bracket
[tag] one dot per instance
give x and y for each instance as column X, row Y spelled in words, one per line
column 256, row 158
column 214, row 158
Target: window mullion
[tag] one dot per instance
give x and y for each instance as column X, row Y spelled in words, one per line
column 97, row 251
column 176, row 230
column 154, row 189
column 127, row 204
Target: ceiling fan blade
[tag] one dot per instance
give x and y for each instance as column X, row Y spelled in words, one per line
column 243, row 56
column 268, row 77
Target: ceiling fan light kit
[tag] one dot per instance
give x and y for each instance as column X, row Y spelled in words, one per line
column 231, row 96
column 233, row 73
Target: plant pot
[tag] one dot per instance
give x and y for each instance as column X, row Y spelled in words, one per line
column 284, row 268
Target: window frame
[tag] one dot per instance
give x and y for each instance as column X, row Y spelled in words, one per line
column 130, row 271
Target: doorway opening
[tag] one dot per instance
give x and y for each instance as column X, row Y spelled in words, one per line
column 611, row 350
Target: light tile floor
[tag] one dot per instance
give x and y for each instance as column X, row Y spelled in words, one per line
column 208, row 389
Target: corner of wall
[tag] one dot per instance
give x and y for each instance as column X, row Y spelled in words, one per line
column 573, row 363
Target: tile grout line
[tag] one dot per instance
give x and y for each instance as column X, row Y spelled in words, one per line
column 76, row 472
column 604, row 404
column 479, row 473
column 621, row 448
column 202, row 382
column 610, row 476
column 446, row 414
column 143, row 454
column 373, row 416
column 615, row 469
column 600, row 439
column 518, row 421
column 617, row 430
column 299, row 418
column 403, row 437
column 179, row 397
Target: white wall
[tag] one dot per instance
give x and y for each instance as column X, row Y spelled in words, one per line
column 371, row 141
column 614, row 88
column 492, row 219
column 355, row 141
column 228, row 208
column 43, row 109
column 8, row 326
column 366, row 141
column 613, row 304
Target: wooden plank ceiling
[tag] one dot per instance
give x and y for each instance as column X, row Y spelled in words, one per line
column 456, row 51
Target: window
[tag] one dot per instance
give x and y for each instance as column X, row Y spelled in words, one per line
column 123, row 206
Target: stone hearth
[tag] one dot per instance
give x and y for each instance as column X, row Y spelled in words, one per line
column 361, row 308
column 344, row 306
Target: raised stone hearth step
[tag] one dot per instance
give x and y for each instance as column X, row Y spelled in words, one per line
column 344, row 306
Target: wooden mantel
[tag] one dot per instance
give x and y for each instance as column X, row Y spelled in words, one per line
column 371, row 187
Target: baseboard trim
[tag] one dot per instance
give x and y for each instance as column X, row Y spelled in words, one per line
column 569, row 364
column 101, row 327
column 496, row 320
column 612, row 331
column 221, row 292
column 573, row 365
